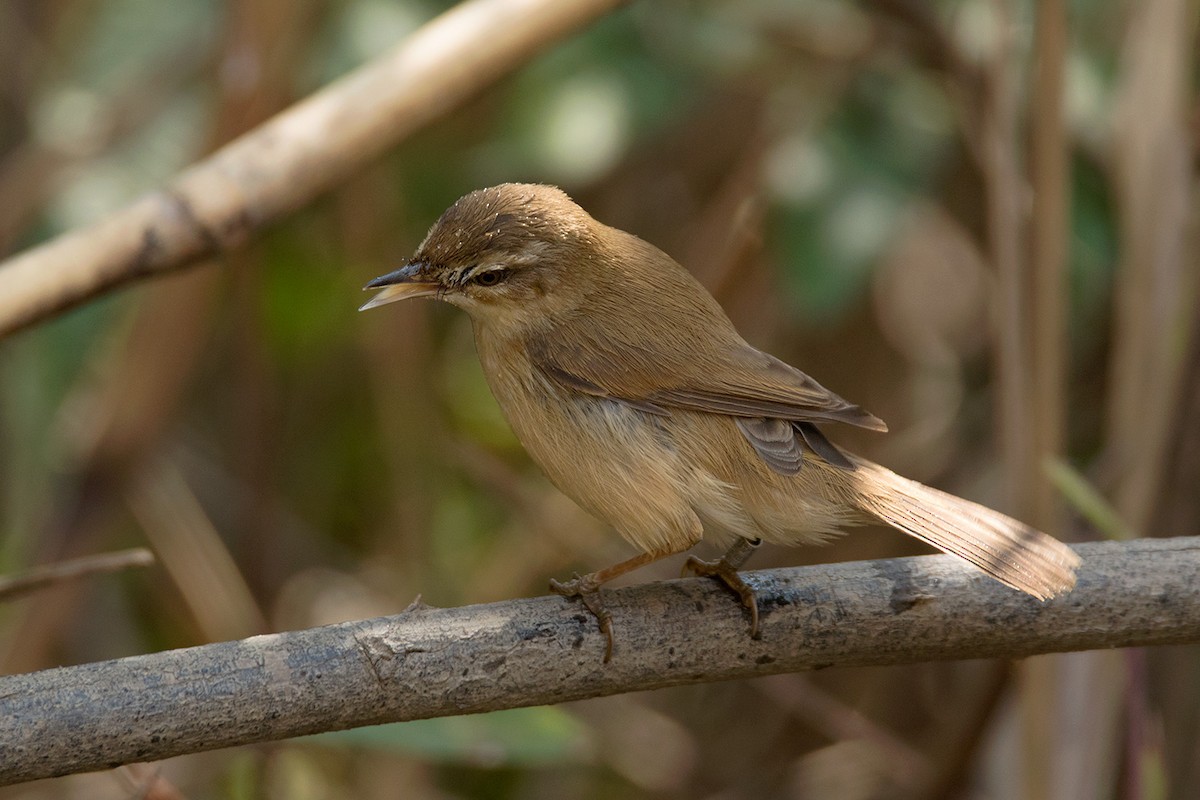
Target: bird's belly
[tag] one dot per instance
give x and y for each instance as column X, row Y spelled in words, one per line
column 613, row 460
column 742, row 495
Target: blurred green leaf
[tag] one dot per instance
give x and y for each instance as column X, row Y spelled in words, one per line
column 1084, row 498
column 124, row 35
column 1093, row 251
column 1152, row 766
column 529, row 737
column 309, row 298
column 881, row 149
column 242, row 776
column 472, row 406
column 572, row 113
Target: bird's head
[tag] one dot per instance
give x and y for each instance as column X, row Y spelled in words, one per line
column 506, row 255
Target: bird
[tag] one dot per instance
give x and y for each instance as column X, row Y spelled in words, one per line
column 627, row 383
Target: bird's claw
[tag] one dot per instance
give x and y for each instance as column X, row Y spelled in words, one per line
column 727, row 574
column 588, row 593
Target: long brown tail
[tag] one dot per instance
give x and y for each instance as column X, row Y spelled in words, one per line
column 1010, row 551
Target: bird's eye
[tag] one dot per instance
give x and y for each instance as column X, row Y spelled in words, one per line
column 491, row 277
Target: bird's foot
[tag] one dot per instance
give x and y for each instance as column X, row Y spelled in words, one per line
column 725, row 570
column 587, row 589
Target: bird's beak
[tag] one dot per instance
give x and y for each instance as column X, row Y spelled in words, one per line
column 411, row 280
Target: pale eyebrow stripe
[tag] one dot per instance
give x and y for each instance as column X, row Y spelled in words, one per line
column 460, row 276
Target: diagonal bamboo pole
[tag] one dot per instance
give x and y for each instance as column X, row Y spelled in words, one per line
column 282, row 165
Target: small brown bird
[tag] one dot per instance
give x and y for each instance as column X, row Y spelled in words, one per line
column 629, row 386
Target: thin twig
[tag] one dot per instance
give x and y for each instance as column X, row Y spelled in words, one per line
column 42, row 577
column 437, row 662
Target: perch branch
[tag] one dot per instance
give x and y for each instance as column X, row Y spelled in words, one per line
column 430, row 662
column 284, row 163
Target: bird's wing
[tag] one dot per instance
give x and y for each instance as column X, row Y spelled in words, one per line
column 734, row 380
column 775, row 441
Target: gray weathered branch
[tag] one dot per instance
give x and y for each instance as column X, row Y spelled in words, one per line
column 283, row 164
column 432, row 662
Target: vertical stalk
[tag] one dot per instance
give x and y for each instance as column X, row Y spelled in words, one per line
column 1010, row 329
column 1049, row 232
column 1046, row 302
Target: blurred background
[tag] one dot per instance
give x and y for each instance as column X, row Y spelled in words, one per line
column 973, row 217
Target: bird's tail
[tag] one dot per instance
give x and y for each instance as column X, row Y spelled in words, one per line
column 1010, row 551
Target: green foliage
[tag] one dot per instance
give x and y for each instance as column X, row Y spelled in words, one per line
column 1087, row 501
column 307, row 306
column 881, row 150
column 519, row 737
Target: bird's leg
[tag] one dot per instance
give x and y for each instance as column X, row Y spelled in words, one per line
column 726, row 570
column 587, row 589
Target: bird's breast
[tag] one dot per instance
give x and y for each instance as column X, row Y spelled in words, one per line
column 563, row 428
column 618, row 462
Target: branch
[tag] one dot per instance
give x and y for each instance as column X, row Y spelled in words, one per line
column 49, row 574
column 283, row 164
column 431, row 662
